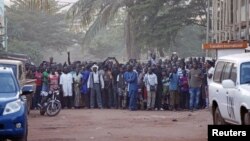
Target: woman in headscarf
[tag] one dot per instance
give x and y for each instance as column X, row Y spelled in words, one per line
column 77, row 79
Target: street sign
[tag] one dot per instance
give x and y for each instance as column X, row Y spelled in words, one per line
column 230, row 45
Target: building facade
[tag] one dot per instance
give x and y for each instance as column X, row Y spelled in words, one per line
column 229, row 20
column 1, row 13
column 2, row 26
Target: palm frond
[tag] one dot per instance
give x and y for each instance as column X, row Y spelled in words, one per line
column 19, row 2
column 49, row 6
column 81, row 10
column 106, row 14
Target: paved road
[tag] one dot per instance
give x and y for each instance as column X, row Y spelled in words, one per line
column 119, row 125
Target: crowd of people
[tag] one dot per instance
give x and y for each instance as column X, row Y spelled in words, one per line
column 171, row 84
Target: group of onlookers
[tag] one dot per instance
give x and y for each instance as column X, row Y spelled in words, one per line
column 171, row 84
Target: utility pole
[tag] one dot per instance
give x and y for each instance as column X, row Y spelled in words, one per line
column 208, row 25
column 2, row 24
column 5, row 34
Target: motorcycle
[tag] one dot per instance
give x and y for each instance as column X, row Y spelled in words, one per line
column 50, row 104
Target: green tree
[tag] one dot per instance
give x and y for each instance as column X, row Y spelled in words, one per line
column 48, row 6
column 148, row 24
column 160, row 22
column 32, row 49
column 37, row 29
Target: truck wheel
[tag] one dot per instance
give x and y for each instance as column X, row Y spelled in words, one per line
column 246, row 119
column 218, row 120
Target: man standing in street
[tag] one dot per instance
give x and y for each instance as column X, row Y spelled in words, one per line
column 131, row 78
column 121, row 86
column 210, row 72
column 173, row 90
column 95, row 83
column 151, row 82
column 158, row 96
column 66, row 81
column 195, row 80
column 84, row 89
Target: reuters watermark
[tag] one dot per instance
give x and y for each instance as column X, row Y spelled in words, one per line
column 241, row 132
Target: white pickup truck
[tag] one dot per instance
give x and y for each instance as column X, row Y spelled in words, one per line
column 229, row 91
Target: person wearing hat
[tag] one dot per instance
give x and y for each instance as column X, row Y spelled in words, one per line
column 95, row 84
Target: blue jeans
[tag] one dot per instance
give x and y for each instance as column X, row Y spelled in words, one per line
column 194, row 98
column 37, row 97
column 133, row 100
column 115, row 96
column 45, row 87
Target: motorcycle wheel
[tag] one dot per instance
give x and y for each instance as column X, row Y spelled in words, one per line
column 53, row 109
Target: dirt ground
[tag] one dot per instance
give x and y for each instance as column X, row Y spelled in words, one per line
column 119, row 125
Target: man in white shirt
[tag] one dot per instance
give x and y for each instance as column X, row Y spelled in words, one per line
column 210, row 72
column 151, row 82
column 66, row 81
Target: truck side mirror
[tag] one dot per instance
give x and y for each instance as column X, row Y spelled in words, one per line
column 228, row 83
column 27, row 89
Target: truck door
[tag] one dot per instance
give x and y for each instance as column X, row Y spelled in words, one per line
column 233, row 97
column 228, row 94
column 217, row 90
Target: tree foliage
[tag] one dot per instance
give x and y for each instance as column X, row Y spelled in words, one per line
column 47, row 6
column 109, row 42
column 150, row 24
column 157, row 23
column 37, row 30
column 32, row 49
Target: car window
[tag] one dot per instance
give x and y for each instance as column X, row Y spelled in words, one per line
column 13, row 67
column 245, row 73
column 226, row 71
column 7, row 83
column 218, row 71
column 233, row 75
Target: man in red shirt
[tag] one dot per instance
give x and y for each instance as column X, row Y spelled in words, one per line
column 37, row 97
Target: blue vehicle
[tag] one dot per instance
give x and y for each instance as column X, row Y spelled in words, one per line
column 13, row 107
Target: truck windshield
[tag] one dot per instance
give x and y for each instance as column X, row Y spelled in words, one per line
column 13, row 67
column 245, row 73
column 7, row 83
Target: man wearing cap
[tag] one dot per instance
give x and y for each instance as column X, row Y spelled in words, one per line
column 95, row 83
